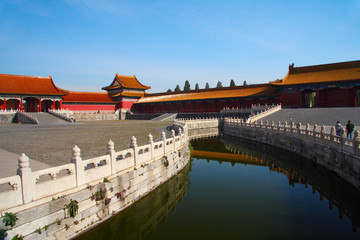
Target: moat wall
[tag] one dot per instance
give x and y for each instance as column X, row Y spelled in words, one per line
column 335, row 153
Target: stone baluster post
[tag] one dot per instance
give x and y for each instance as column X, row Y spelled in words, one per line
column 314, row 132
column 79, row 166
column 293, row 129
column 163, row 137
column 111, row 151
column 181, row 138
column 27, row 181
column 272, row 125
column 322, row 132
column 133, row 145
column 356, row 142
column 173, row 138
column 342, row 138
column 332, row 135
column 151, row 142
column 307, row 129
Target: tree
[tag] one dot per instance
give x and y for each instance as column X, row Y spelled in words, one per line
column 207, row 86
column 169, row 90
column 177, row 89
column 232, row 83
column 244, row 83
column 196, row 86
column 187, row 86
column 219, row 85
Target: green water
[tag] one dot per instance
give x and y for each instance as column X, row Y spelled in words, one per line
column 274, row 195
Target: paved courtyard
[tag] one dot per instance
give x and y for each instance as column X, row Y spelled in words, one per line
column 53, row 145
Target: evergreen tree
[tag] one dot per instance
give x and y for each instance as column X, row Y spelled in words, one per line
column 169, row 90
column 232, row 83
column 187, row 86
column 207, row 86
column 196, row 86
column 177, row 89
column 219, row 85
column 244, row 83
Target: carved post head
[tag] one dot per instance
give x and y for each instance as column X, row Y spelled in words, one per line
column 110, row 146
column 356, row 135
column 332, row 131
column 76, row 152
column 279, row 123
column 150, row 138
column 272, row 123
column 343, row 134
column 163, row 135
column 180, row 131
column 322, row 129
column 172, row 132
column 23, row 161
column 133, row 142
column 315, row 127
column 286, row 123
column 307, row 126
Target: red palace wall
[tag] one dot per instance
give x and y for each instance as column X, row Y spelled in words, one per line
column 126, row 104
column 89, row 107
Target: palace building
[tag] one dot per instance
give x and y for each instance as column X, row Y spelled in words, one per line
column 208, row 100
column 326, row 85
column 30, row 94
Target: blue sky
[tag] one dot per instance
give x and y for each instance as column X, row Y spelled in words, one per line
column 82, row 44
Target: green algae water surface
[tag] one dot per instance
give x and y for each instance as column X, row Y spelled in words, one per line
column 241, row 190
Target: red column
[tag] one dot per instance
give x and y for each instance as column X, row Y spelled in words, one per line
column 4, row 104
column 298, row 96
column 39, row 110
column 60, row 104
column 347, row 97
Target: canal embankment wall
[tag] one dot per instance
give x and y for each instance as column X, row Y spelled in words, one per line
column 95, row 188
column 336, row 153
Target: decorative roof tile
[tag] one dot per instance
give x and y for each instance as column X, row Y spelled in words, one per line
column 129, row 94
column 21, row 84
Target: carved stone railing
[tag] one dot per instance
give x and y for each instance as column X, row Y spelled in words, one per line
column 266, row 111
column 67, row 115
column 24, row 117
column 336, row 153
column 29, row 186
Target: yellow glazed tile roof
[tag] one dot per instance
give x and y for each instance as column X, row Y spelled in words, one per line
column 213, row 93
column 345, row 71
column 126, row 82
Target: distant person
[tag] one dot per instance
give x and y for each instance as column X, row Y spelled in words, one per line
column 338, row 128
column 349, row 129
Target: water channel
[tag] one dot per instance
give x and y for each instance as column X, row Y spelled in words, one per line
column 235, row 189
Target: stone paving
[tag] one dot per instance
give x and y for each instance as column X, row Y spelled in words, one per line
column 52, row 144
column 319, row 116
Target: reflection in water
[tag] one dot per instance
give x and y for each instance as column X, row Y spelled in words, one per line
column 140, row 219
column 241, row 190
column 298, row 170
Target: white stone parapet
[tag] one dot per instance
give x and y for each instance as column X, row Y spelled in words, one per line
column 298, row 131
column 264, row 111
column 65, row 114
column 28, row 186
